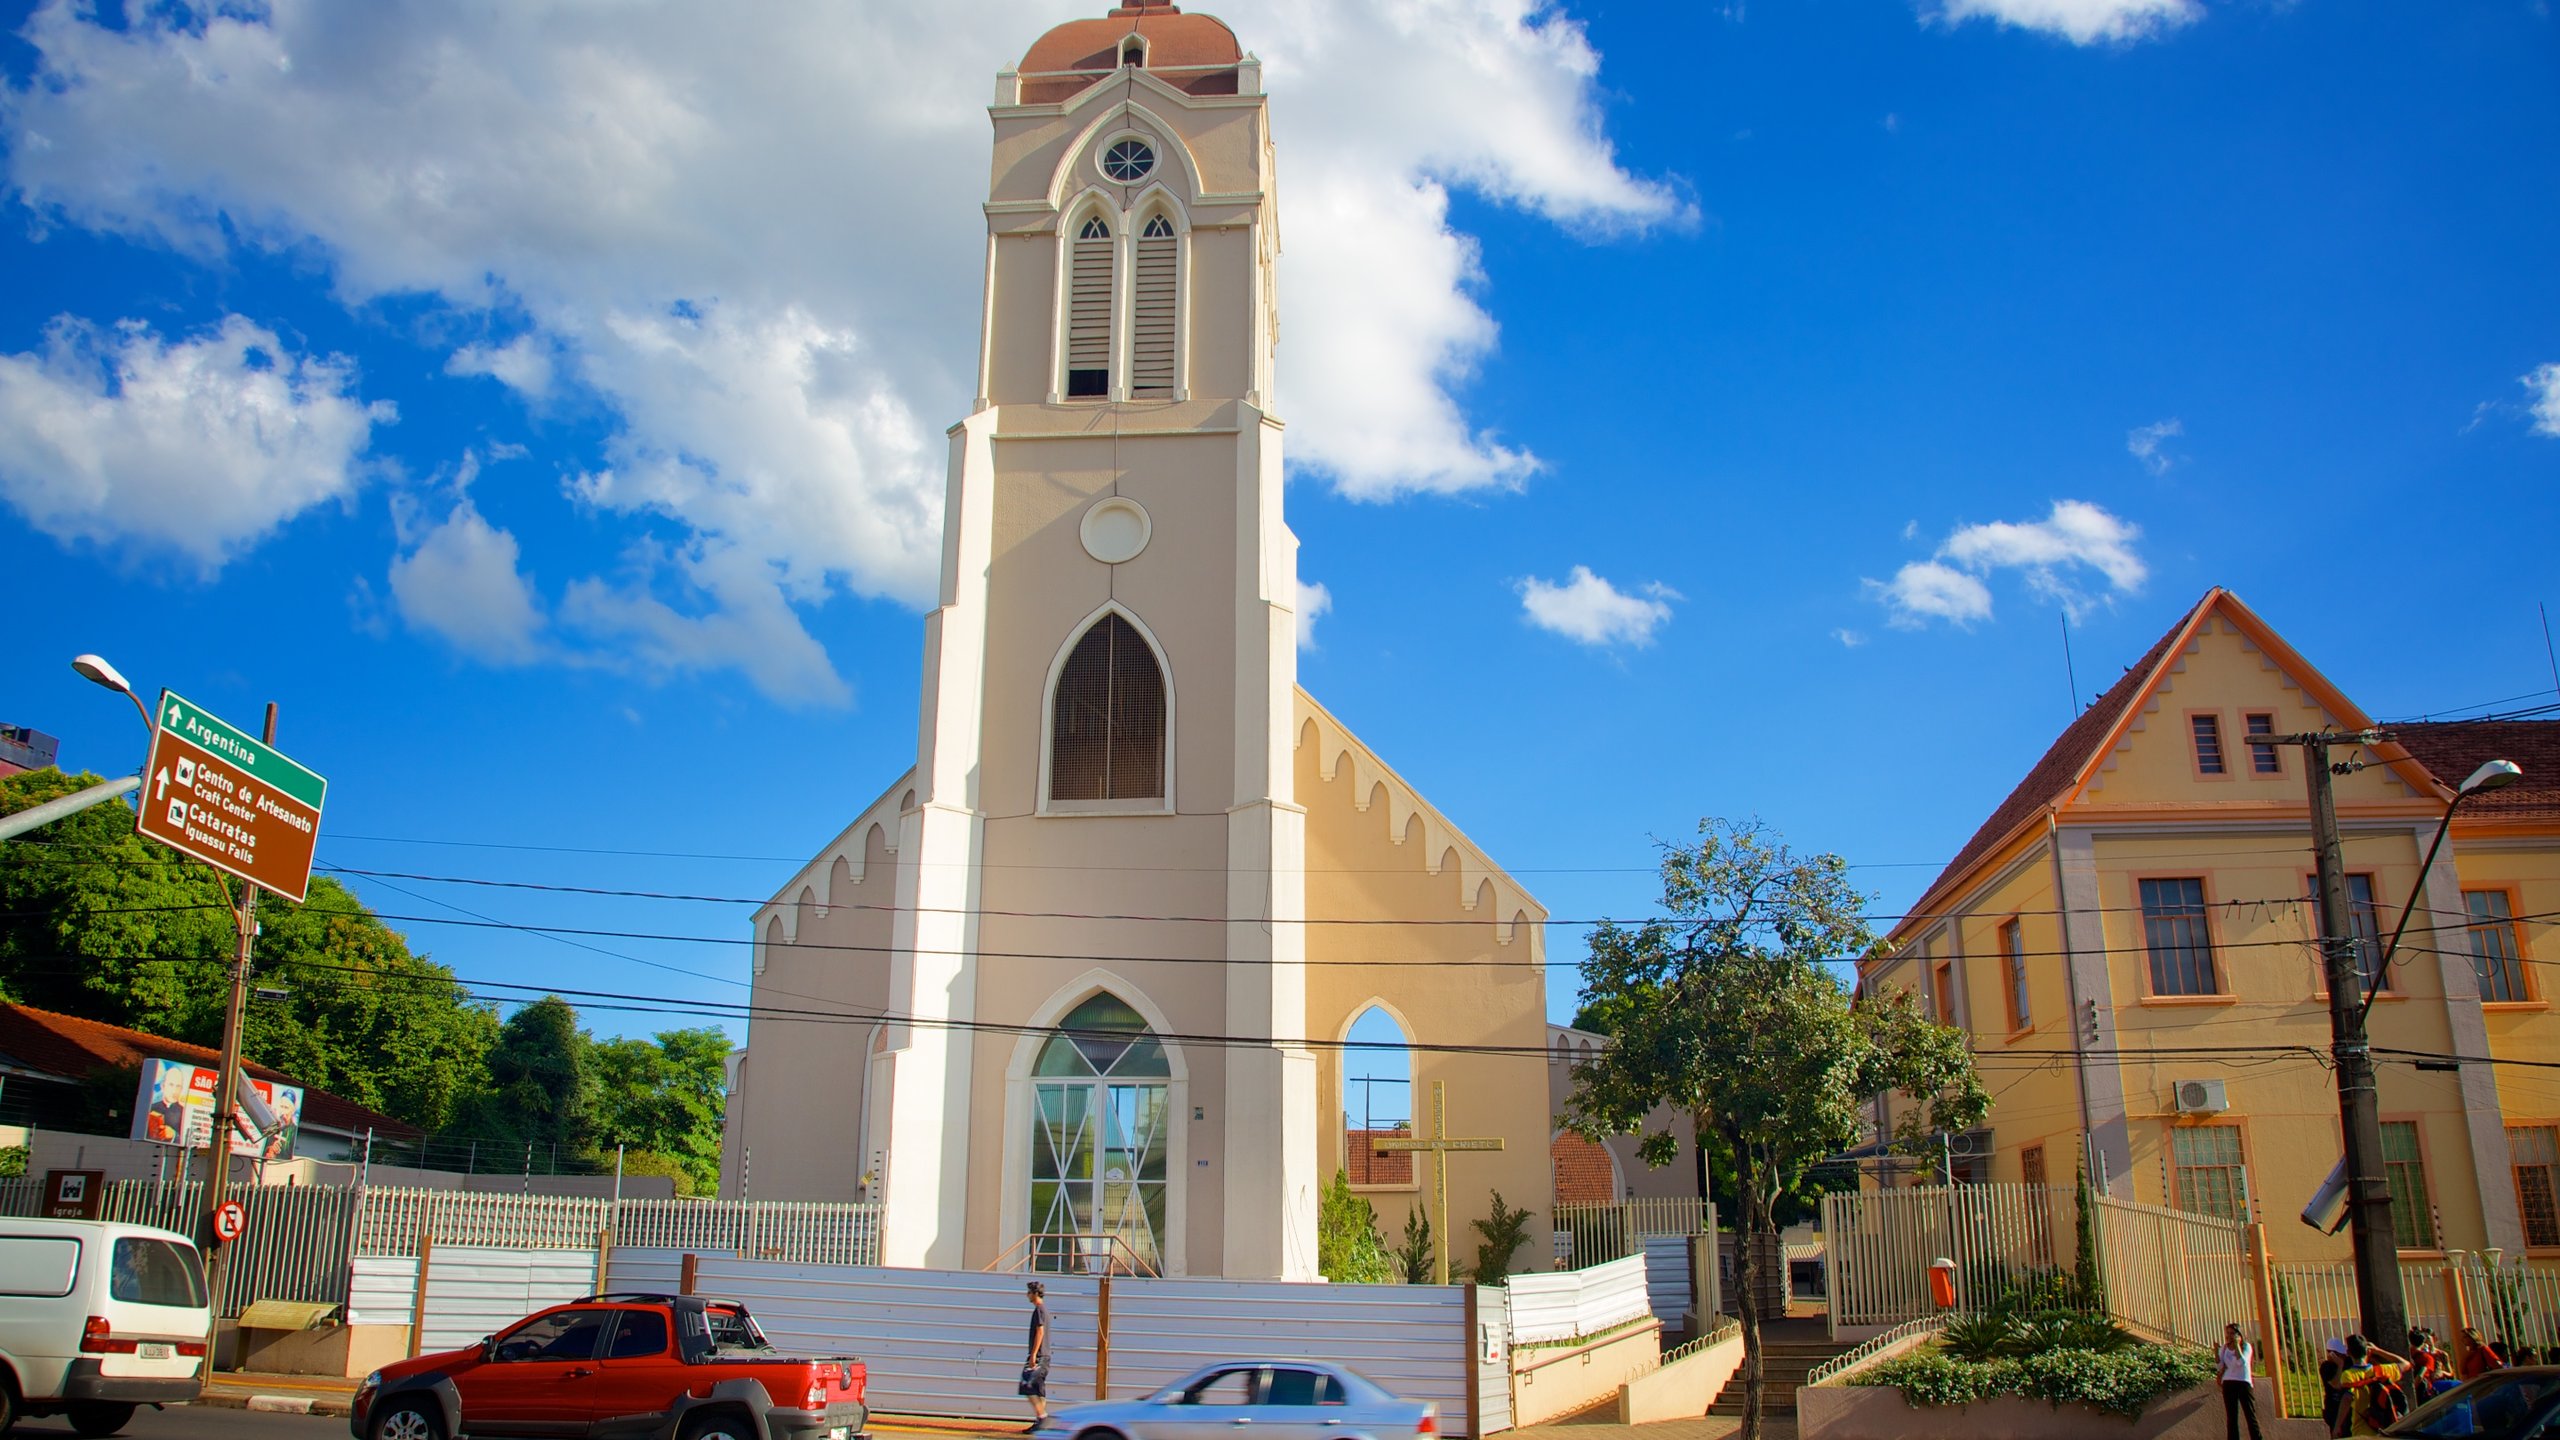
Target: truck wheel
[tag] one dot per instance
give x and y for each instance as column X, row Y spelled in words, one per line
column 720, row 1427
column 94, row 1418
column 8, row 1402
column 407, row 1420
column 1098, row 1434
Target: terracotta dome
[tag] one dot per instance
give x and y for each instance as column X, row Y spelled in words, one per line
column 1193, row 53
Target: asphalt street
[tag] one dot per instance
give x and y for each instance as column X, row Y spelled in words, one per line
column 198, row 1422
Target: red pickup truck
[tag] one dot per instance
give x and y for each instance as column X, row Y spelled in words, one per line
column 618, row 1367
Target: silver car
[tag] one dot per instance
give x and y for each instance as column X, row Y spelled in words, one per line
column 1254, row 1400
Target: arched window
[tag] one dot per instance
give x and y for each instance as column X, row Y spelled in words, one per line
column 1107, row 719
column 1377, row 1099
column 1089, row 312
column 1098, row 1140
column 1151, row 312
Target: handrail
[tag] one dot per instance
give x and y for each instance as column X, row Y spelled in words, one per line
column 1839, row 1365
column 1686, row 1348
column 1074, row 1253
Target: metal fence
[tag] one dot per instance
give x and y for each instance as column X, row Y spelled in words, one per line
column 1878, row 1246
column 1593, row 1234
column 2509, row 1299
column 2173, row 1273
column 304, row 1242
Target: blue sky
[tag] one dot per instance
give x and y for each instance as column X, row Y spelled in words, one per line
column 543, row 406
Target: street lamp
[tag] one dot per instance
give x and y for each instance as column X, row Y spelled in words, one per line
column 2495, row 775
column 96, row 670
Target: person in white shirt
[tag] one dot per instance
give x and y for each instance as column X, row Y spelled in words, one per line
column 2232, row 1358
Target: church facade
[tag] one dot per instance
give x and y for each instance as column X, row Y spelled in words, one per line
column 1071, row 990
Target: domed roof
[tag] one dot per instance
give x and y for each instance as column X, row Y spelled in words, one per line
column 1193, row 53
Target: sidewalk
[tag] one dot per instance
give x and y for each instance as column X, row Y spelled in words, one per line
column 1705, row 1427
column 284, row 1394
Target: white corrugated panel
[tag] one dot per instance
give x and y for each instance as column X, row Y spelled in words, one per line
column 1567, row 1303
column 474, row 1291
column 640, row 1270
column 1493, row 1359
column 1410, row 1339
column 937, row 1342
column 1666, row 1275
column 384, row 1290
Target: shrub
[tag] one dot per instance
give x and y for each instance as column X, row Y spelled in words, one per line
column 1504, row 1232
column 1348, row 1248
column 2121, row 1382
column 2009, row 1329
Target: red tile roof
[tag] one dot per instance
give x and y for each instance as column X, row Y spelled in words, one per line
column 2452, row 749
column 1192, row 53
column 72, row 1048
column 1582, row 1171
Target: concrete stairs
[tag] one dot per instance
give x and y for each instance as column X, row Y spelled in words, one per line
column 1789, row 1350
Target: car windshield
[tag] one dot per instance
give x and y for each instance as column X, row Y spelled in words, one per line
column 2493, row 1405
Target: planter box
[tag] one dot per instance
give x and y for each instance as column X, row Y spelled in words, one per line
column 1879, row 1412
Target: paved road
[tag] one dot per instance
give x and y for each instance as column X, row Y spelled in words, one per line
column 197, row 1422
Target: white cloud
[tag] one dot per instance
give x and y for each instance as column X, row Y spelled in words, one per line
column 1314, row 603
column 2050, row 552
column 461, row 581
column 1925, row 590
column 2082, row 22
column 737, row 617
column 753, row 231
column 200, row 447
column 2542, row 384
column 1593, row 611
column 1849, row 639
column 2144, row 443
column 522, row 365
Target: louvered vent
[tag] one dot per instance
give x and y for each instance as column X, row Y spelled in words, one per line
column 1151, row 318
column 1106, row 739
column 1089, row 313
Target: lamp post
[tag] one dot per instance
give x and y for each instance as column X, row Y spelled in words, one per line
column 2377, row 1252
column 226, row 1080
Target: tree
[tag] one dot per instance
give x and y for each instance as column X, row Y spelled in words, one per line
column 1414, row 1255
column 664, row 1098
column 98, row 922
column 1730, row 1011
column 1502, row 1232
column 1348, row 1248
column 541, row 1092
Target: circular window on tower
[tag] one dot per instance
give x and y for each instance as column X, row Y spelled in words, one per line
column 1128, row 160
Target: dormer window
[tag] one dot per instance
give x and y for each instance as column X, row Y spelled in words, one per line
column 1135, row 56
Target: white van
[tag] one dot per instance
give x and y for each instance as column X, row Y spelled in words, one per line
column 97, row 1318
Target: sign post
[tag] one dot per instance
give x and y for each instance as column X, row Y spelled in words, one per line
column 242, row 807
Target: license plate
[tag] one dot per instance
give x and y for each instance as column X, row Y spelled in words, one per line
column 155, row 1350
column 837, row 1433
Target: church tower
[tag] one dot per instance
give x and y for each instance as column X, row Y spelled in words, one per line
column 1107, row 696
column 1049, row 1000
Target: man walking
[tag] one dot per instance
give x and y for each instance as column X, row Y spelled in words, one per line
column 1035, row 1357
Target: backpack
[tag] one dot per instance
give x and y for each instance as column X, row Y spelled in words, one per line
column 2384, row 1402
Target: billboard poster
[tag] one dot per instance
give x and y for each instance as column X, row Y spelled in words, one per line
column 175, row 1107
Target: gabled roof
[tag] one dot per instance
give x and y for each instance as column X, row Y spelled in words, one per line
column 70, row 1048
column 2073, row 760
column 2455, row 748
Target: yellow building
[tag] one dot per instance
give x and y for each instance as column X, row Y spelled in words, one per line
column 2129, row 939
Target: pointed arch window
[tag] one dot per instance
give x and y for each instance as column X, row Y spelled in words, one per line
column 1151, row 311
column 1107, row 718
column 1098, row 1143
column 1089, row 311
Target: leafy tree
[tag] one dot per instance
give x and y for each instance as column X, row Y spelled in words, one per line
column 1730, row 1011
column 98, row 922
column 1348, row 1248
column 1503, row 1232
column 676, row 1168
column 664, row 1098
column 1414, row 1255
column 541, row 1091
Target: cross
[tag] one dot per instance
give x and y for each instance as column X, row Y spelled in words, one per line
column 1439, row 1145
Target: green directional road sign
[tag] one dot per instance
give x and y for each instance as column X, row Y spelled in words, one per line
column 215, row 792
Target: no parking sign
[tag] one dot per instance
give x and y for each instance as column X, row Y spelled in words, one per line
column 229, row 1220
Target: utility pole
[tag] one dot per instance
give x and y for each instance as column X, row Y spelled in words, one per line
column 226, row 1081
column 2377, row 1248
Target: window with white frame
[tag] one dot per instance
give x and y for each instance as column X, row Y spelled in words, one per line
column 1089, row 311
column 1152, row 318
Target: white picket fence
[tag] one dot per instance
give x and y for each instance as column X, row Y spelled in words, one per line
column 1564, row 1304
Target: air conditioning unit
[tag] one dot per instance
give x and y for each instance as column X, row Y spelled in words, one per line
column 2202, row 1097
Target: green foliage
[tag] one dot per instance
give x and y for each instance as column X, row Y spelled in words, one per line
column 677, row 1168
column 1503, row 1233
column 541, row 1091
column 98, row 922
column 1349, row 1250
column 13, row 1162
column 664, row 1098
column 1730, row 1011
column 2121, row 1382
column 2084, row 1234
column 2009, row 1328
column 1413, row 1257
